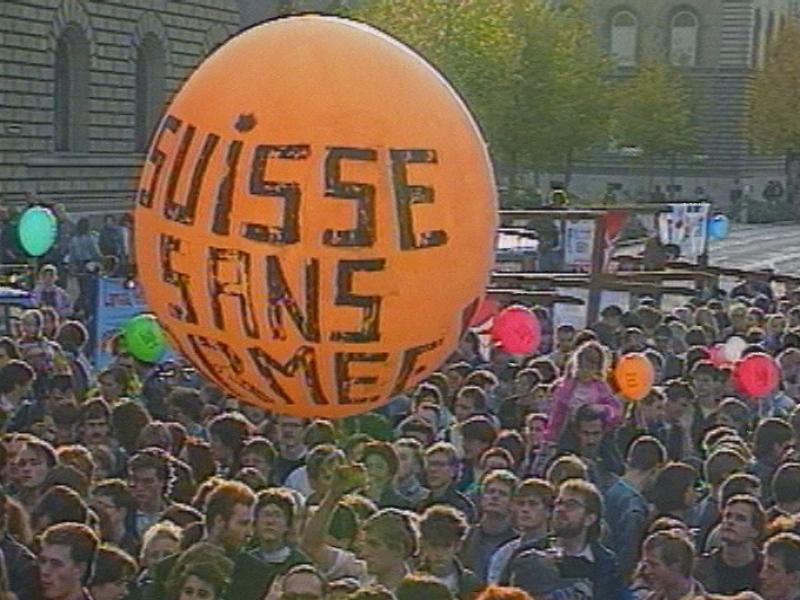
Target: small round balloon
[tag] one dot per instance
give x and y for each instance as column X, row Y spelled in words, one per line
column 635, row 376
column 733, row 348
column 516, row 330
column 37, row 230
column 718, row 227
column 757, row 375
column 144, row 338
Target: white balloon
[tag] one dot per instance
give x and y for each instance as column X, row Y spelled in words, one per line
column 734, row 348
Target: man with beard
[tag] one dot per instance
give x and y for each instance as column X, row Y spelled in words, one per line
column 780, row 574
column 65, row 561
column 736, row 565
column 229, row 516
column 578, row 556
column 531, row 507
column 588, row 440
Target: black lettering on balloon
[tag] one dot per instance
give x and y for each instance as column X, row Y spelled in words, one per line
column 406, row 196
column 186, row 214
column 281, row 299
column 170, row 206
column 230, row 275
column 369, row 305
column 170, row 246
column 157, row 157
column 224, row 206
column 224, row 366
column 409, row 367
column 289, row 231
column 304, row 359
column 363, row 193
column 345, row 382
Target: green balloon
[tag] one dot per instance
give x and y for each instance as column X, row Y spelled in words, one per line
column 37, row 230
column 144, row 338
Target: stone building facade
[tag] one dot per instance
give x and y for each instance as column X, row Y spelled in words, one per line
column 82, row 83
column 718, row 45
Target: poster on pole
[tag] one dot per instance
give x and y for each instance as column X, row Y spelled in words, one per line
column 685, row 225
column 579, row 244
column 117, row 303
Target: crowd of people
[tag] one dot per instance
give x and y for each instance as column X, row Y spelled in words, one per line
column 499, row 477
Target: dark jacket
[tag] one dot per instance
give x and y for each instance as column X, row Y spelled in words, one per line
column 541, row 575
column 453, row 498
column 250, row 579
column 22, row 569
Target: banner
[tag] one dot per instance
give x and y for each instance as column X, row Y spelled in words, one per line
column 686, row 226
column 579, row 244
column 116, row 305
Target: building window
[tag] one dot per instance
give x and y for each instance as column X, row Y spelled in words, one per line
column 624, row 38
column 756, row 59
column 150, row 76
column 71, row 97
column 683, row 39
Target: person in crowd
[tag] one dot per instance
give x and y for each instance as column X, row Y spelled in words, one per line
column 674, row 493
column 531, row 509
column 115, row 505
column 736, row 565
column 84, row 261
column 275, row 516
column 410, row 464
column 780, row 573
column 585, row 384
column 114, row 569
column 494, row 528
column 389, row 541
column 441, row 470
column 150, row 475
column 442, row 531
column 627, row 509
column 291, row 446
column 66, row 559
column 579, row 561
column 48, row 293
column 667, row 565
column 381, row 462
column 19, row 562
column 203, row 571
column 302, row 582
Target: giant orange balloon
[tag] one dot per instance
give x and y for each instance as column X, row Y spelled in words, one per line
column 316, row 217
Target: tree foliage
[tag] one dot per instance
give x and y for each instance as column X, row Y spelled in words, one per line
column 534, row 76
column 653, row 111
column 772, row 123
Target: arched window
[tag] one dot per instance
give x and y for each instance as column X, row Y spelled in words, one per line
column 71, row 98
column 757, row 25
column 624, row 38
column 683, row 39
column 150, row 78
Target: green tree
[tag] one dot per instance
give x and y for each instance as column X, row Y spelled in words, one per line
column 772, row 123
column 533, row 76
column 653, row 112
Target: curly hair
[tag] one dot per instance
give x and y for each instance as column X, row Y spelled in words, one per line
column 205, row 561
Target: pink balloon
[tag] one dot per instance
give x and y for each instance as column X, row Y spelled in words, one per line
column 516, row 330
column 717, row 356
column 756, row 375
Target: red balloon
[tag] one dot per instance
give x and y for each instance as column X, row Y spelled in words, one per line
column 517, row 330
column 756, row 375
column 487, row 309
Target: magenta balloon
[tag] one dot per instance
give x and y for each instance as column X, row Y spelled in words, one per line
column 516, row 330
column 756, row 375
